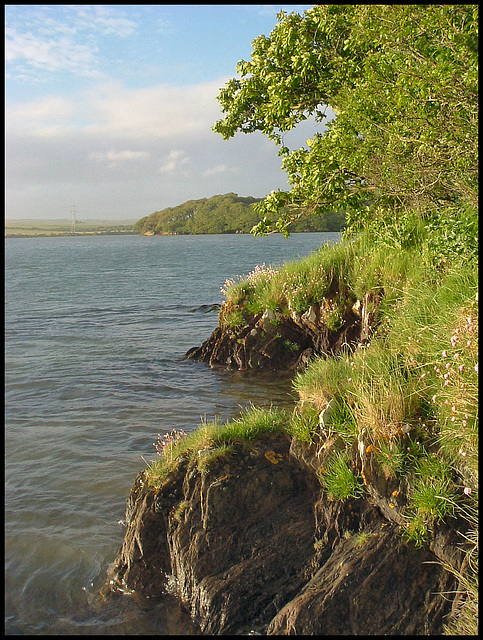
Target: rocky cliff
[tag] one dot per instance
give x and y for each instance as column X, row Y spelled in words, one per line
column 274, row 340
column 255, row 545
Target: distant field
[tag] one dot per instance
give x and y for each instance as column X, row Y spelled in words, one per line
column 25, row 228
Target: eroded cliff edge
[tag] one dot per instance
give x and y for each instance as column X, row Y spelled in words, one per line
column 278, row 340
column 254, row 544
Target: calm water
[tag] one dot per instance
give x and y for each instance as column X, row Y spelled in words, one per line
column 96, row 329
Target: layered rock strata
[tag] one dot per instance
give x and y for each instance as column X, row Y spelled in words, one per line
column 255, row 545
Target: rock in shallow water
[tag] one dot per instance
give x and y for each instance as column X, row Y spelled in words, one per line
column 258, row 547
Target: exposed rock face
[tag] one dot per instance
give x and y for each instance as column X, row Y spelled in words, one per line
column 254, row 544
column 273, row 340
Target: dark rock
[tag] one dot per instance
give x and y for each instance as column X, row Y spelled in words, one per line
column 380, row 586
column 206, row 308
column 258, row 547
column 278, row 341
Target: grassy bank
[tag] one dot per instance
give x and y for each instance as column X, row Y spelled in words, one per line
column 410, row 394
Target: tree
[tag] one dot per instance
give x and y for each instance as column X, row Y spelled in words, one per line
column 403, row 83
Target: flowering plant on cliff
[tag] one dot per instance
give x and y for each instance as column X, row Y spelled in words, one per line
column 164, row 443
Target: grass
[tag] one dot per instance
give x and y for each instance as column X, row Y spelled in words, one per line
column 213, row 442
column 338, row 478
column 412, row 391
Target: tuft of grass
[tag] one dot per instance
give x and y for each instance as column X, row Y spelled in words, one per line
column 432, row 497
column 339, row 479
column 323, row 379
column 251, row 423
column 361, row 539
column 185, row 449
column 216, row 440
column 304, row 423
column 391, row 457
column 295, row 286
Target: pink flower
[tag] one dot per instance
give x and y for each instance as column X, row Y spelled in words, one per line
column 464, row 423
column 467, row 491
column 461, row 367
column 476, row 367
column 444, row 354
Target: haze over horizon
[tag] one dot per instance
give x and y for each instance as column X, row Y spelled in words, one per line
column 110, row 108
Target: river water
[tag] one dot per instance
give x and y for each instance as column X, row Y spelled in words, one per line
column 95, row 333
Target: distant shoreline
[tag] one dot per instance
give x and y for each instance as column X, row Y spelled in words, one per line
column 67, row 234
column 54, row 228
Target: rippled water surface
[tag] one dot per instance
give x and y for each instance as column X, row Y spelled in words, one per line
column 96, row 329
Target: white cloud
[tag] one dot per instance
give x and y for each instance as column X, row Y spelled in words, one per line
column 64, row 38
column 162, row 111
column 220, row 168
column 31, row 51
column 173, row 161
column 102, row 18
column 116, row 157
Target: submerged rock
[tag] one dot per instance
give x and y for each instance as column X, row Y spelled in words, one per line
column 254, row 545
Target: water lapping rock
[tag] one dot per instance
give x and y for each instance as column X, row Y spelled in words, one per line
column 254, row 545
column 275, row 340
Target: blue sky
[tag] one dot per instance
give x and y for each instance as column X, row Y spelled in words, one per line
column 110, row 108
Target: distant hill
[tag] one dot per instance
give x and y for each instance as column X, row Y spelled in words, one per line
column 228, row 213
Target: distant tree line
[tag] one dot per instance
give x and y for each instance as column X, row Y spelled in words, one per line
column 228, row 213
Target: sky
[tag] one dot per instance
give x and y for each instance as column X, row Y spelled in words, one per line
column 109, row 108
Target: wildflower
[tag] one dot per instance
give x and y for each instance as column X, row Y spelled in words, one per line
column 433, row 399
column 444, row 353
column 448, row 366
column 464, row 423
column 467, row 491
column 456, row 356
column 423, row 375
column 476, row 367
column 461, row 367
column 469, row 321
column 462, row 453
column 453, row 419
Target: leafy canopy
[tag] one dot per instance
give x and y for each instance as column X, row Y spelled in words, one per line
column 403, row 83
